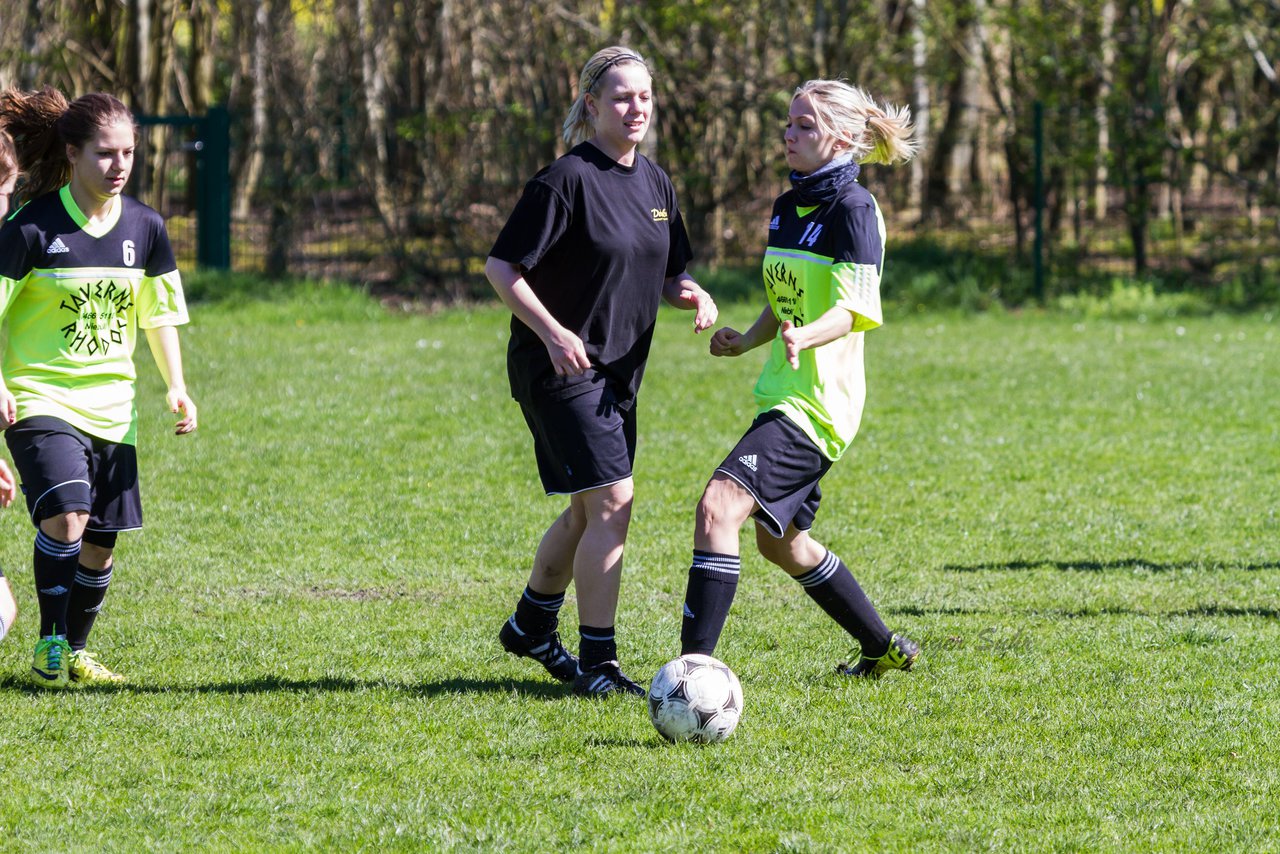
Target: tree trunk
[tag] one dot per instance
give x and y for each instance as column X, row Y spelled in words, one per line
column 373, row 79
column 258, row 131
column 920, row 100
column 1101, row 115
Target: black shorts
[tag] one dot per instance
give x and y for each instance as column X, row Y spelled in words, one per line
column 582, row 442
column 64, row 470
column 780, row 466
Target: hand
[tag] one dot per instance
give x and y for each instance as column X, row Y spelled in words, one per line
column 706, row 309
column 791, row 340
column 568, row 355
column 180, row 403
column 8, row 486
column 8, row 409
column 727, row 341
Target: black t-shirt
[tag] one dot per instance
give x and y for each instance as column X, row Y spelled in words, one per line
column 596, row 240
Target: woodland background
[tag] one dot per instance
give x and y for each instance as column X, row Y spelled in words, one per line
column 385, row 141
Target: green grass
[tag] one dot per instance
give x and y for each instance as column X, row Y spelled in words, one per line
column 1076, row 516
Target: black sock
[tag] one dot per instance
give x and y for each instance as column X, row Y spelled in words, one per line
column 713, row 580
column 55, row 565
column 834, row 588
column 87, row 593
column 597, row 645
column 538, row 613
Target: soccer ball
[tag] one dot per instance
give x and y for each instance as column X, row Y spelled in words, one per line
column 695, row 698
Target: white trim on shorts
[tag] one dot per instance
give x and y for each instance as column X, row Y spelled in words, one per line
column 113, row 530
column 35, row 505
column 597, row 486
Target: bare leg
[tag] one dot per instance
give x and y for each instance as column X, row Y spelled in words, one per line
column 724, row 507
column 597, row 564
column 553, row 562
column 796, row 552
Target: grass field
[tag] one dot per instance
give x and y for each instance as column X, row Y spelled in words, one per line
column 1077, row 518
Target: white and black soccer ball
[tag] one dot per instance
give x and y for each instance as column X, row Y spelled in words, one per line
column 695, row 698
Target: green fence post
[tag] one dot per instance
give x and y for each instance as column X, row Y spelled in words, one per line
column 213, row 235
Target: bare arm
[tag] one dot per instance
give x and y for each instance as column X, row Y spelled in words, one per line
column 683, row 292
column 835, row 323
column 568, row 355
column 730, row 342
column 163, row 341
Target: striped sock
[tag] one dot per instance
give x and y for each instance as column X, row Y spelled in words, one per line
column 597, row 646
column 538, row 613
column 87, row 593
column 713, row 581
column 836, row 591
column 55, row 565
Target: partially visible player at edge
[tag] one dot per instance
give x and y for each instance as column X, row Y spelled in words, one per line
column 594, row 244
column 82, row 268
column 822, row 271
column 8, row 178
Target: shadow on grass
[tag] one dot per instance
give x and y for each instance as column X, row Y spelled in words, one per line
column 327, row 684
column 1106, row 566
column 1198, row 611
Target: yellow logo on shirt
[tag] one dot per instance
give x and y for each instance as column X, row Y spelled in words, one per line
column 659, row 214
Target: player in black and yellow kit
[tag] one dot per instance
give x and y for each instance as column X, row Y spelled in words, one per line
column 594, row 244
column 82, row 269
column 822, row 279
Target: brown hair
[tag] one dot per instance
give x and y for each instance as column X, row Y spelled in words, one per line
column 8, row 157
column 42, row 123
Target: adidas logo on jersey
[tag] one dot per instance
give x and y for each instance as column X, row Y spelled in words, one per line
column 57, row 247
column 775, row 223
column 749, row 460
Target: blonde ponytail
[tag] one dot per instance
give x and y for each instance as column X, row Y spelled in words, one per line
column 577, row 124
column 875, row 133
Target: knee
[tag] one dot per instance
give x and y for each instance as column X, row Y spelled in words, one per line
column 724, row 506
column 65, row 527
column 610, row 507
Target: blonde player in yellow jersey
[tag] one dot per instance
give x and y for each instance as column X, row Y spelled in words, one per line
column 822, row 278
column 83, row 268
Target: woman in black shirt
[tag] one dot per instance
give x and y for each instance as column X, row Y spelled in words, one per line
column 593, row 245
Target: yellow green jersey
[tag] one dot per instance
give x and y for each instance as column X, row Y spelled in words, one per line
column 74, row 295
column 819, row 257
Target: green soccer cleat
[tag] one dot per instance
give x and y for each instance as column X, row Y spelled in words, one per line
column 86, row 670
column 50, row 664
column 901, row 655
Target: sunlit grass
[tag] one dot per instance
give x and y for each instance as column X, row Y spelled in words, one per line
column 1076, row 516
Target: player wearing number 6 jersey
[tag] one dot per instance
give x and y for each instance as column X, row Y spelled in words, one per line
column 82, row 269
column 822, row 278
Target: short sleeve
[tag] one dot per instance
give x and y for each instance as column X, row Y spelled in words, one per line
column 14, row 263
column 161, row 301
column 161, row 260
column 856, row 266
column 680, row 252
column 540, row 218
